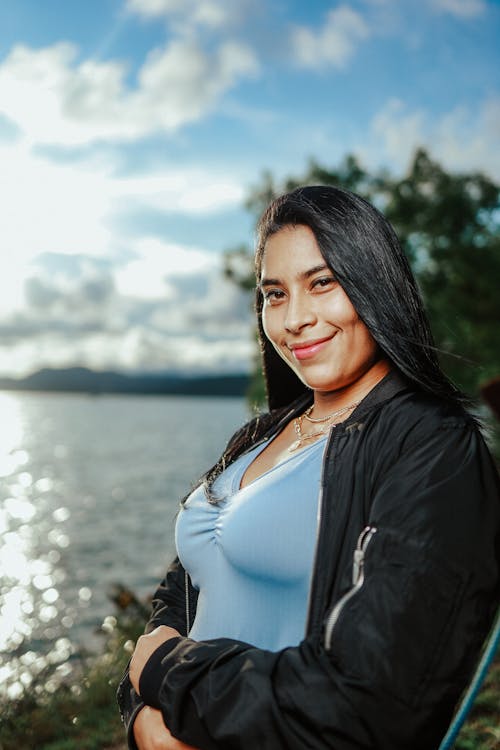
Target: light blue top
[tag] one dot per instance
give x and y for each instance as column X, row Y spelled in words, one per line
column 251, row 555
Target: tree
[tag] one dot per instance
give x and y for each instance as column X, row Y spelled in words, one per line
column 448, row 225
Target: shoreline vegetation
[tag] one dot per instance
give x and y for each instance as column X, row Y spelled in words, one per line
column 96, row 383
column 80, row 711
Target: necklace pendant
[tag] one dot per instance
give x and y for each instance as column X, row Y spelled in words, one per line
column 294, row 446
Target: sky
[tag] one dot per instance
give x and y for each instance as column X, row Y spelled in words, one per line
column 131, row 132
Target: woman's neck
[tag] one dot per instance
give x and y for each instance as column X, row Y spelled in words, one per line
column 326, row 402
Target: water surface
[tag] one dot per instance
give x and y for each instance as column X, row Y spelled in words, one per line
column 89, row 490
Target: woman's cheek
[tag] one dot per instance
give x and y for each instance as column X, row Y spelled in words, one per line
column 267, row 324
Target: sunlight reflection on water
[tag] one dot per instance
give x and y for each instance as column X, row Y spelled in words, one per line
column 89, row 489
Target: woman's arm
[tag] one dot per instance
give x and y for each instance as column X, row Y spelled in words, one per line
column 402, row 647
column 169, row 608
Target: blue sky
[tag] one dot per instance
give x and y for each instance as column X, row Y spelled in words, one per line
column 131, row 131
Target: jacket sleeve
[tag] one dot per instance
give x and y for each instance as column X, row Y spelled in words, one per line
column 174, row 601
column 402, row 647
column 169, row 608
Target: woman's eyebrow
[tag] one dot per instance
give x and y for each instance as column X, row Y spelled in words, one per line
column 315, row 269
column 269, row 282
column 303, row 275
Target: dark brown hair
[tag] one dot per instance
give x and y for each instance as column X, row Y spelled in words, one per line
column 362, row 250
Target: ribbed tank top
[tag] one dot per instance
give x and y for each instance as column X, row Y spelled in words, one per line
column 251, row 555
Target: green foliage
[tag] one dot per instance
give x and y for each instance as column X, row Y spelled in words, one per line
column 238, row 267
column 448, row 225
column 482, row 730
column 82, row 714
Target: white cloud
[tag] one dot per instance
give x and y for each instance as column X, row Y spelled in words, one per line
column 334, row 44
column 66, row 207
column 147, row 275
column 146, row 349
column 47, row 207
column 398, row 130
column 212, row 14
column 152, row 304
column 74, row 209
column 154, row 8
column 138, row 349
column 460, row 8
column 53, row 98
column 182, row 82
column 192, row 191
column 461, row 139
column 197, row 320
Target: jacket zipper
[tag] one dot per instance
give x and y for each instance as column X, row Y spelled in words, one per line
column 188, row 615
column 318, row 525
column 358, row 577
column 319, row 519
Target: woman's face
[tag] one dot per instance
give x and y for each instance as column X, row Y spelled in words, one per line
column 309, row 318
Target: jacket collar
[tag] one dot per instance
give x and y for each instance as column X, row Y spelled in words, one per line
column 393, row 383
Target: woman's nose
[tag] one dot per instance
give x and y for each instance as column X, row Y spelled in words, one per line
column 299, row 313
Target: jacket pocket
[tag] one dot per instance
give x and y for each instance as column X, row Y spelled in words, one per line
column 358, row 579
column 390, row 632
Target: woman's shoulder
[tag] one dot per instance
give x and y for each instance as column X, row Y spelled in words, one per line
column 413, row 415
column 419, row 404
column 414, row 430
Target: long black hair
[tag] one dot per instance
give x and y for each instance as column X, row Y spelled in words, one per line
column 362, row 250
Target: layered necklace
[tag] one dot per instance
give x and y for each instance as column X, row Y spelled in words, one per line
column 325, row 421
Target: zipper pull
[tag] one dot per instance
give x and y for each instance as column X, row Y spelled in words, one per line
column 357, row 582
column 357, row 565
column 359, row 553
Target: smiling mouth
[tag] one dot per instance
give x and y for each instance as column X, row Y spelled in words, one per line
column 308, row 349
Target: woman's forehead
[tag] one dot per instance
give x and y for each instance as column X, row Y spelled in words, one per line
column 293, row 249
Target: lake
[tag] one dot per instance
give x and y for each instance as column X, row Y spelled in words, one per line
column 89, row 490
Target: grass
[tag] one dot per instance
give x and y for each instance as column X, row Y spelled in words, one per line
column 82, row 713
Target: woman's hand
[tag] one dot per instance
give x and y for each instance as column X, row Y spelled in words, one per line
column 144, row 647
column 150, row 732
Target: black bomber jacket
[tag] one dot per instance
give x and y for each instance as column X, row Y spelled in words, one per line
column 405, row 586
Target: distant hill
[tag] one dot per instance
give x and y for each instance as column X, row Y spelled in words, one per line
column 83, row 380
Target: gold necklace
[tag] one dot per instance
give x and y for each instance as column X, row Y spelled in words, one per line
column 297, row 426
column 307, row 413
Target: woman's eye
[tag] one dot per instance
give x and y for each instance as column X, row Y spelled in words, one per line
column 273, row 295
column 323, row 283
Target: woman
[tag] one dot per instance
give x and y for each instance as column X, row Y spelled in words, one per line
column 345, row 550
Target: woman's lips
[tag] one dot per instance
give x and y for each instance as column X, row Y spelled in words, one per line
column 308, row 350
